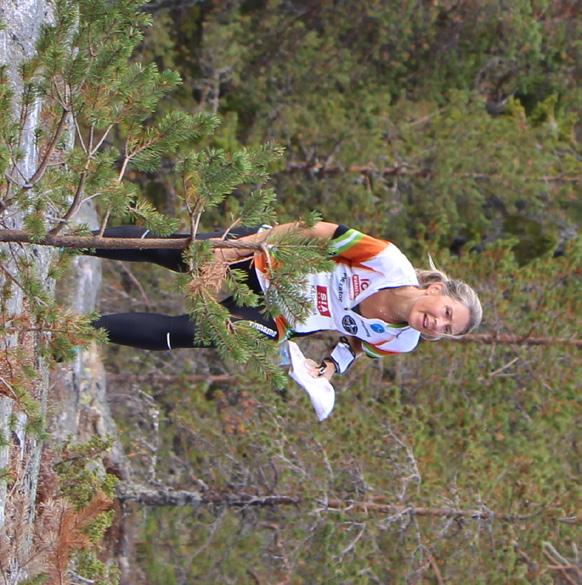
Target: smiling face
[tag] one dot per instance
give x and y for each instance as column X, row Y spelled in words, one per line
column 435, row 314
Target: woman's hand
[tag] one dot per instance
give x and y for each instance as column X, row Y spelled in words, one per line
column 326, row 369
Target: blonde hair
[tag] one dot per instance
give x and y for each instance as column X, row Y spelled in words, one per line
column 456, row 289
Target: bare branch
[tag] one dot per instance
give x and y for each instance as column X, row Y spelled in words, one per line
column 156, row 378
column 77, row 199
column 40, row 171
column 137, row 283
column 52, row 239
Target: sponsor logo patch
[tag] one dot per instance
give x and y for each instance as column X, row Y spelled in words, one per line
column 376, row 327
column 341, row 285
column 359, row 284
column 349, row 324
column 323, row 301
column 263, row 329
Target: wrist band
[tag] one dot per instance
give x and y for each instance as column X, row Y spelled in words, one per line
column 343, row 356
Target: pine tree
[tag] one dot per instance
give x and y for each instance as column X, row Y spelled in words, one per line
column 100, row 124
column 453, row 123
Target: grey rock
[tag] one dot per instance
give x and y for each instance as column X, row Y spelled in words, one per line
column 77, row 392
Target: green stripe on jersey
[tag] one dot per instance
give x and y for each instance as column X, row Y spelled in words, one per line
column 371, row 351
column 346, row 241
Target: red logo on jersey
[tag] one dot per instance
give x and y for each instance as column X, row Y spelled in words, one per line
column 359, row 284
column 323, row 301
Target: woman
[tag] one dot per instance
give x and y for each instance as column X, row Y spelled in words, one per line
column 373, row 297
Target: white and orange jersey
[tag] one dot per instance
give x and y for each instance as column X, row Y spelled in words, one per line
column 364, row 265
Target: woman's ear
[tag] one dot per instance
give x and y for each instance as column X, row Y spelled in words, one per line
column 435, row 288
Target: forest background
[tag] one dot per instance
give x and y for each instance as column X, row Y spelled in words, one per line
column 450, row 128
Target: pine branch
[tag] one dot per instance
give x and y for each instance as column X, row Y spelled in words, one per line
column 82, row 242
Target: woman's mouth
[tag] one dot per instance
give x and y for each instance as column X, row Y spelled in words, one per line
column 425, row 321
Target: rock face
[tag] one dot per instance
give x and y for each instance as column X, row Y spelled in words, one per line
column 23, row 21
column 75, row 394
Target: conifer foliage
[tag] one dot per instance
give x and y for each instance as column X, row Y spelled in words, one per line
column 100, row 127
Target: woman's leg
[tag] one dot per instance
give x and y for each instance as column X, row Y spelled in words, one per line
column 171, row 259
column 148, row 330
column 162, row 332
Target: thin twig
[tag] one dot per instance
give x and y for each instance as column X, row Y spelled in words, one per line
column 40, row 171
column 229, row 228
column 78, row 197
column 502, row 368
column 194, row 223
column 435, row 568
column 17, row 283
column 354, row 542
column 103, row 138
column 79, row 133
column 9, row 386
column 137, row 283
column 104, row 221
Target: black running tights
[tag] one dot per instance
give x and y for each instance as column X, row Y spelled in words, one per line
column 162, row 332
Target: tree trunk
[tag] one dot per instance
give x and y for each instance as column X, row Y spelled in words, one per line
column 155, row 378
column 368, row 170
column 169, row 4
column 321, row 169
column 159, row 496
column 492, row 338
column 166, row 496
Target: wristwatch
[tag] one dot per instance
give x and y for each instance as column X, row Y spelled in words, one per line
column 323, row 365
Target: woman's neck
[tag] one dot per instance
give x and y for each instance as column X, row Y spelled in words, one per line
column 392, row 305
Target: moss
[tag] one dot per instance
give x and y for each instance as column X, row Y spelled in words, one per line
column 81, row 473
column 41, row 579
column 88, row 566
column 97, row 529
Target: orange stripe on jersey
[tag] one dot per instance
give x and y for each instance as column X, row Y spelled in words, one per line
column 366, row 248
column 260, row 262
column 282, row 326
column 354, row 247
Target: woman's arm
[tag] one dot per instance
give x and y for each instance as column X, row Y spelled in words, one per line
column 355, row 344
column 322, row 229
column 329, row 365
